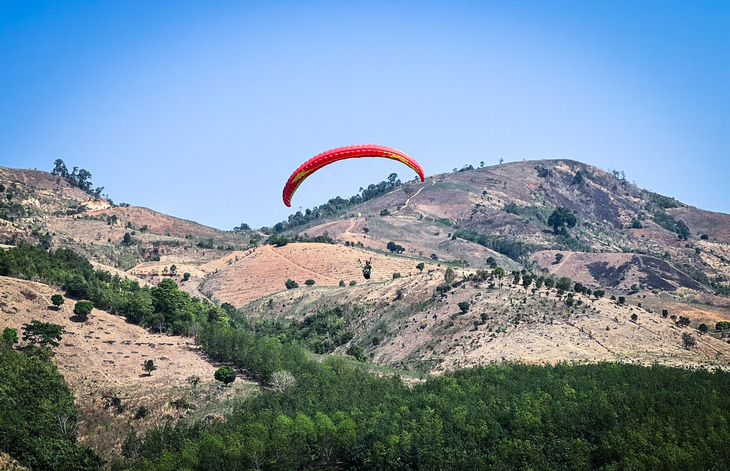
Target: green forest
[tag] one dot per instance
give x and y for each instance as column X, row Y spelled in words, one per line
column 338, row 414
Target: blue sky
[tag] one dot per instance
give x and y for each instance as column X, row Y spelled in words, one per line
column 203, row 109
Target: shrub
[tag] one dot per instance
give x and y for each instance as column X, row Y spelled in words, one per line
column 291, row 284
column 57, row 300
column 703, row 328
column 186, row 276
column 309, row 282
column 634, row 317
column 420, row 266
column 342, row 282
column 149, row 366
column 357, row 352
column 688, row 341
column 464, row 306
column 396, row 275
column 353, row 283
column 11, row 335
column 665, row 313
column 141, row 412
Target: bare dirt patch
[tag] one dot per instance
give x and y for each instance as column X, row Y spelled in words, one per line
column 265, row 270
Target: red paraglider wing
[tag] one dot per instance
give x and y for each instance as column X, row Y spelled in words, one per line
column 341, row 153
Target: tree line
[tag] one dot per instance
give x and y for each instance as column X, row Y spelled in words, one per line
column 38, row 418
column 163, row 307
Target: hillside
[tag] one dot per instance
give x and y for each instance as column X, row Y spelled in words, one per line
column 417, row 327
column 626, row 241
column 510, row 205
column 666, row 288
column 102, row 358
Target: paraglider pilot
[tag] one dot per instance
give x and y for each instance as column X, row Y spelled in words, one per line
column 367, row 268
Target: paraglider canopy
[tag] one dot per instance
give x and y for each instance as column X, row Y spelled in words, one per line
column 341, row 153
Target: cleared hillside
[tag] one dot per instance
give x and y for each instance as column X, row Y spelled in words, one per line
column 265, row 270
column 103, row 357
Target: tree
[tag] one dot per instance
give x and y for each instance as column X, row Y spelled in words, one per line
column 420, row 267
column 704, row 237
column 634, row 317
column 703, row 328
column 10, row 335
column 561, row 218
column 83, row 309
column 357, row 352
column 621, row 300
column 309, row 282
column 499, row 274
column 186, row 276
column 396, row 275
column 291, row 284
column 688, row 341
column 449, row 276
column 173, row 269
column 57, row 300
column 59, row 169
column 342, row 283
column 395, row 248
column 43, row 333
column 225, row 374
column 384, row 212
column 578, row 178
column 549, row 282
column 563, row 283
column 527, row 280
column 464, row 306
column 665, row 313
column 149, row 366
column 281, row 381
column 683, row 231
column 558, row 257
column 76, row 286
column 127, row 239
column 722, row 325
column 636, row 224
